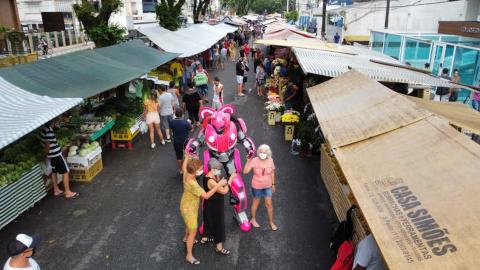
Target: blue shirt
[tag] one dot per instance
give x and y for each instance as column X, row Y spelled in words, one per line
column 180, row 128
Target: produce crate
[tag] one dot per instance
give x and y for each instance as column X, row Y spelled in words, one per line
column 86, row 161
column 126, row 135
column 19, row 196
column 87, row 174
column 102, row 131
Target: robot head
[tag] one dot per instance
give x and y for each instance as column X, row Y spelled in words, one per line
column 220, row 121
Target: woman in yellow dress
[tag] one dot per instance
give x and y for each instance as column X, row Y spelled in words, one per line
column 233, row 51
column 192, row 167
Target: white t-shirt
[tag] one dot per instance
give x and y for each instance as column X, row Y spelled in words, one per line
column 216, row 96
column 368, row 255
column 166, row 99
column 224, row 51
column 33, row 265
column 173, row 91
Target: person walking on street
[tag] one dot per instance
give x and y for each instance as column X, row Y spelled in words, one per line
column 152, row 118
column 21, row 251
column 240, row 71
column 260, row 78
column 167, row 107
column 180, row 128
column 189, row 204
column 245, row 73
column 213, row 208
column 192, row 103
column 201, row 80
column 223, row 57
column 232, row 51
column 55, row 160
column 217, row 93
column 175, row 92
column 263, row 183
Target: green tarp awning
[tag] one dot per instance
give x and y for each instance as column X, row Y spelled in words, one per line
column 86, row 73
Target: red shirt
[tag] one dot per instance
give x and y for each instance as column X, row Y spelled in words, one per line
column 246, row 50
column 344, row 259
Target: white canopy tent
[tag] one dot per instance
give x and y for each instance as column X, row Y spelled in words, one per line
column 21, row 111
column 187, row 41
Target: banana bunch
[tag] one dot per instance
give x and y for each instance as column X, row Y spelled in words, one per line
column 290, row 118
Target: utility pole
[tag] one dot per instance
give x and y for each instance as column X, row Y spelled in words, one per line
column 387, row 14
column 324, row 18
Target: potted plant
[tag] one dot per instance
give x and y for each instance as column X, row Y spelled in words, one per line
column 290, row 119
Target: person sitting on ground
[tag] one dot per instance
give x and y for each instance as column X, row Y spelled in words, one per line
column 180, row 128
column 21, row 251
column 213, row 210
column 217, row 93
column 152, row 118
column 167, row 107
column 192, row 103
column 55, row 160
column 367, row 255
column 263, row 183
column 193, row 168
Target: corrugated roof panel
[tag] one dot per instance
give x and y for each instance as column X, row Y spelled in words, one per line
column 326, row 63
column 21, row 112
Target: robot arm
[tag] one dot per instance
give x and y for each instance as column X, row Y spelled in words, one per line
column 247, row 142
column 194, row 145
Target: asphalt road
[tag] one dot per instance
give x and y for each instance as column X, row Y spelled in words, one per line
column 128, row 217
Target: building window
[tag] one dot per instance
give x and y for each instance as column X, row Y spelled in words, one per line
column 392, row 45
column 377, row 41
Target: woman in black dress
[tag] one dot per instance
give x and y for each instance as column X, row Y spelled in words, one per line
column 213, row 209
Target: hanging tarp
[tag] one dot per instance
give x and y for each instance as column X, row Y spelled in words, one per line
column 416, row 184
column 21, row 112
column 188, row 41
column 87, row 73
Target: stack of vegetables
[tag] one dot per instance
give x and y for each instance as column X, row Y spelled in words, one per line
column 19, row 158
column 84, row 150
column 162, row 74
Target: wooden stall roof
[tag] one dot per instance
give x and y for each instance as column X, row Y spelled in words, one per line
column 456, row 113
column 352, row 108
column 417, row 185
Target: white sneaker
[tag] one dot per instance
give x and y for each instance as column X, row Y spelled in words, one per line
column 163, row 142
column 152, row 145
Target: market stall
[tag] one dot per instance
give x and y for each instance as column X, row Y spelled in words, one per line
column 413, row 176
column 88, row 94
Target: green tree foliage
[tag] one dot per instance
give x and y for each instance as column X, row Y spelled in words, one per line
column 291, row 16
column 168, row 13
column 270, row 6
column 240, row 6
column 96, row 24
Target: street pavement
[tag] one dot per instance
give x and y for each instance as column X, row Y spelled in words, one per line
column 128, row 217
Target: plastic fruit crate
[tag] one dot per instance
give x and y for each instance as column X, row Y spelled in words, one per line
column 87, row 174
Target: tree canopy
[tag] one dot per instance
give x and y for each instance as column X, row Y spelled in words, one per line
column 168, row 13
column 240, row 6
column 96, row 25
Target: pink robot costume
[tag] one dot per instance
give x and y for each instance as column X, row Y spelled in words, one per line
column 220, row 133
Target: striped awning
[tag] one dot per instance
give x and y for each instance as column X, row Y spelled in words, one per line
column 334, row 64
column 21, row 111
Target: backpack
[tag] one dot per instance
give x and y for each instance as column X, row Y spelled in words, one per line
column 343, row 232
column 200, row 78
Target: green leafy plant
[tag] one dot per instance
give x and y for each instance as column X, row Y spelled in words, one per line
column 168, row 13
column 4, row 29
column 291, row 16
column 96, row 24
column 106, row 35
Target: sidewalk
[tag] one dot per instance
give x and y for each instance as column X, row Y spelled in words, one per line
column 69, row 49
